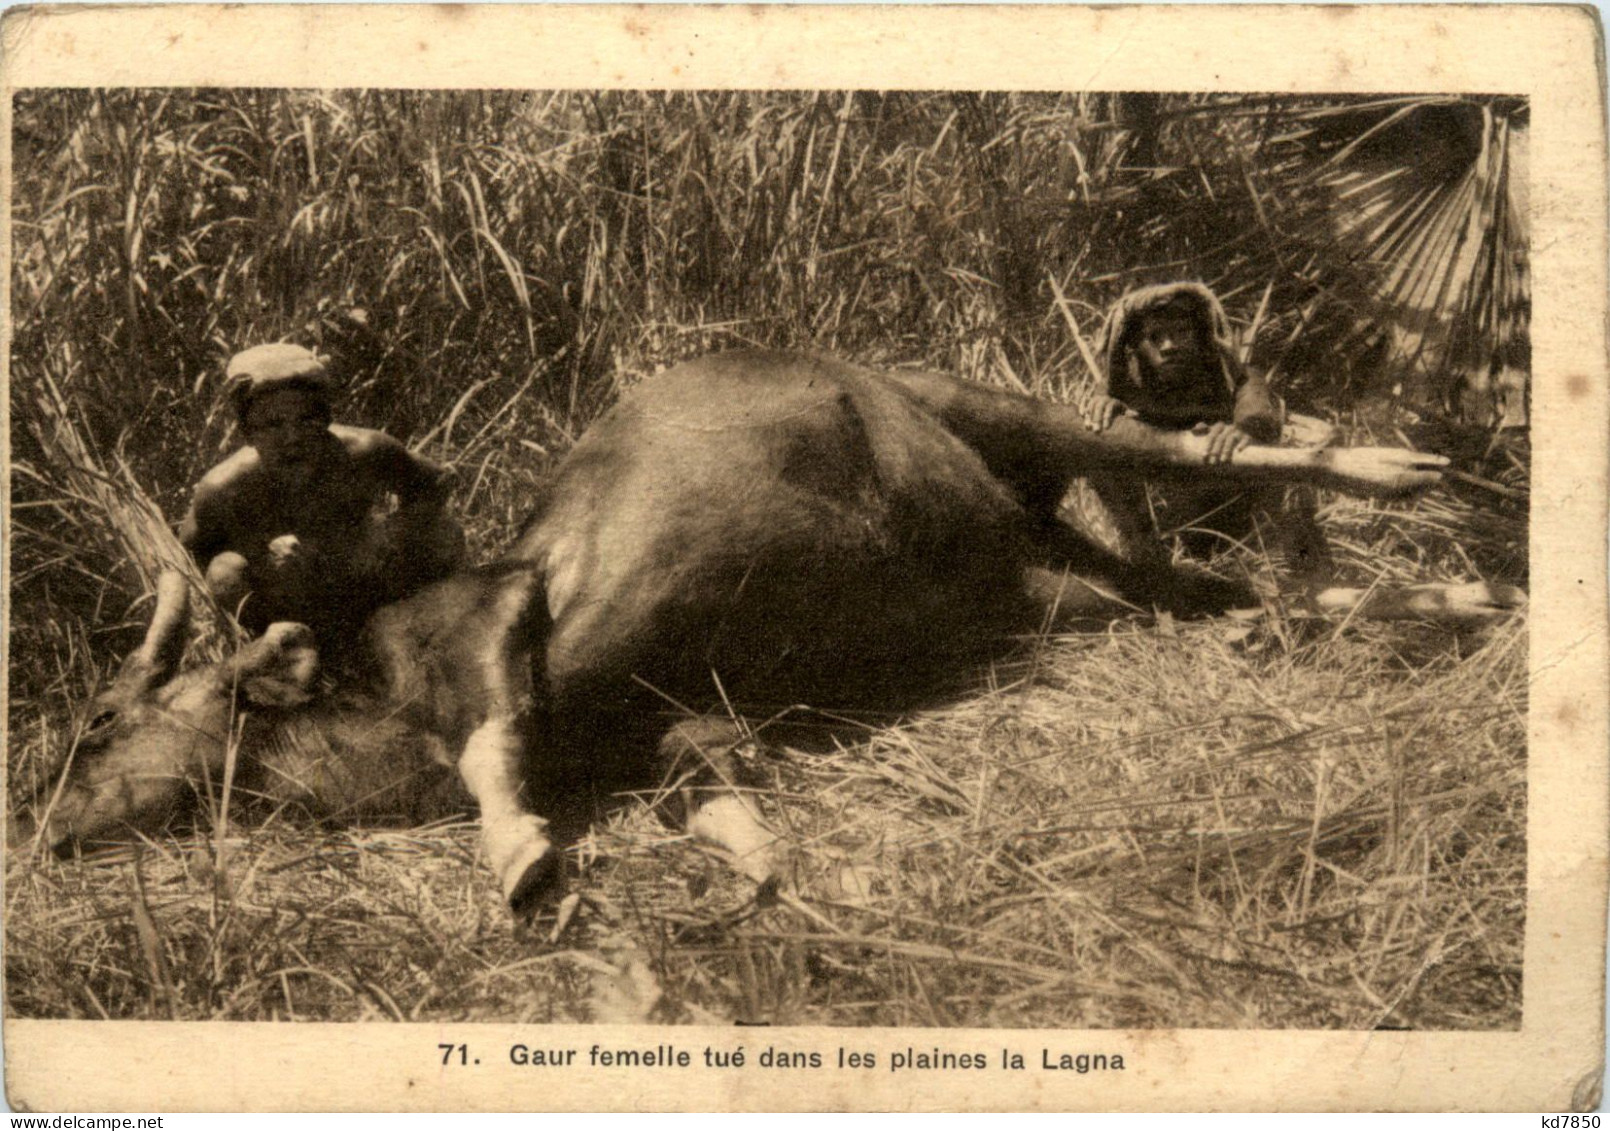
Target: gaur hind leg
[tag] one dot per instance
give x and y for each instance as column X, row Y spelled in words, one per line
column 1127, row 508
column 1142, row 577
column 1038, row 447
column 1287, row 526
column 1473, row 603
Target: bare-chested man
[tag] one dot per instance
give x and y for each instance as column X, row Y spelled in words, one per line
column 313, row 521
column 1169, row 358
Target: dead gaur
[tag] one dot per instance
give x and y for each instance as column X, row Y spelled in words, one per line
column 738, row 534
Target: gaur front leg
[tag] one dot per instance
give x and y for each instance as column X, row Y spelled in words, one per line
column 700, row 764
column 521, row 854
column 490, row 669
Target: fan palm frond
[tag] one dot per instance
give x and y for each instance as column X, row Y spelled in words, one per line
column 1426, row 204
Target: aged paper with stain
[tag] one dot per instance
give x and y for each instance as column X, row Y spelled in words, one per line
column 1510, row 69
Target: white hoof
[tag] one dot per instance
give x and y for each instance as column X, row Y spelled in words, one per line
column 1482, row 599
column 527, row 865
column 728, row 822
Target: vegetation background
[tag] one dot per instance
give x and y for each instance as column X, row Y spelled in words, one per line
column 1261, row 823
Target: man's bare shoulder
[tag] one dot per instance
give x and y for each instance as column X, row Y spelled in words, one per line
column 227, row 477
column 366, row 443
column 387, row 458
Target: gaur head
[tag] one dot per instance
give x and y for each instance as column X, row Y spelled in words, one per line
column 154, row 733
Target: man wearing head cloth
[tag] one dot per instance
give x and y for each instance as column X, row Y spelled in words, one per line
column 313, row 521
column 1169, row 358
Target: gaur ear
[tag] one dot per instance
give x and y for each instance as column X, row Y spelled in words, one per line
column 278, row 668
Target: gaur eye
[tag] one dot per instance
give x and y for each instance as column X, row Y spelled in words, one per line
column 101, row 721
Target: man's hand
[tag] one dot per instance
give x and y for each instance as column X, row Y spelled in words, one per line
column 1100, row 411
column 1224, row 441
column 285, row 550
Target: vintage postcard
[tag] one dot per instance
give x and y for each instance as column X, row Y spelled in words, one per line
column 831, row 558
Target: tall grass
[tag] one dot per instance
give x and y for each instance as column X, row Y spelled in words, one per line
column 487, row 270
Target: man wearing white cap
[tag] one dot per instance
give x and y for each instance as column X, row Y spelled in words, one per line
column 313, row 521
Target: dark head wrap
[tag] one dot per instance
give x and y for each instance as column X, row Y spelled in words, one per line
column 1120, row 364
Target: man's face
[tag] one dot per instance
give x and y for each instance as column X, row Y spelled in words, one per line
column 1170, row 344
column 289, row 428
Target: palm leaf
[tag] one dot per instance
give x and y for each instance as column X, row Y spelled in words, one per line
column 1424, row 214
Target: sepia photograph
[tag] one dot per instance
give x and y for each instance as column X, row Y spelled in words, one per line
column 622, row 562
